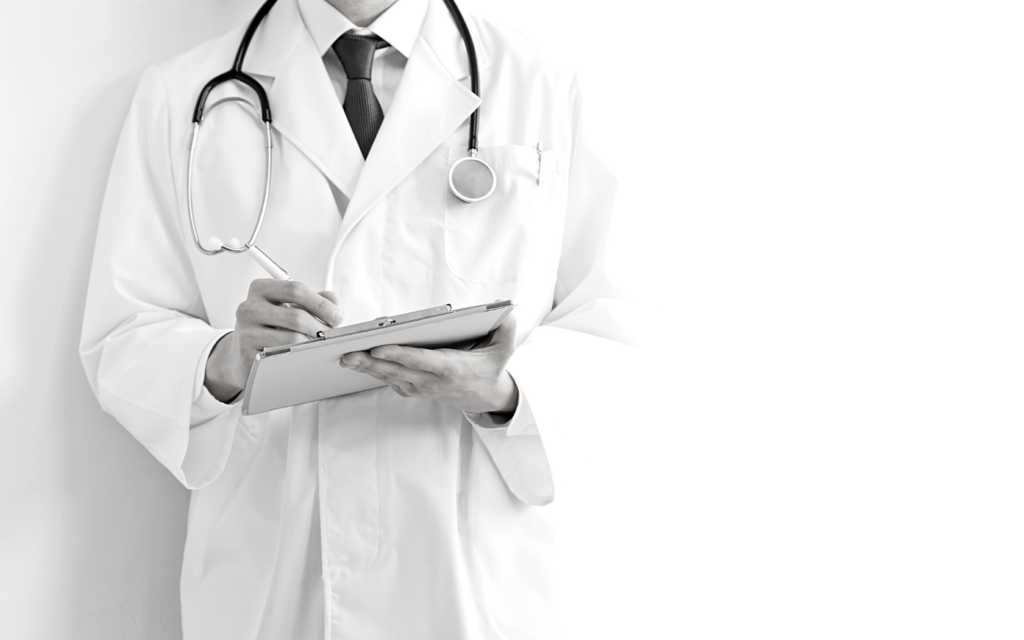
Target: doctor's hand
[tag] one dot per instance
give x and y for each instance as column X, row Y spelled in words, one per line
column 263, row 320
column 474, row 381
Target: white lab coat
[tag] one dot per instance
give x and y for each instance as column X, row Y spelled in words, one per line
column 368, row 516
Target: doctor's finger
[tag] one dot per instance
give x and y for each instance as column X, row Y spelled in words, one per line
column 500, row 340
column 413, row 358
column 297, row 293
column 278, row 317
column 504, row 337
column 407, row 387
column 403, row 389
column 382, row 369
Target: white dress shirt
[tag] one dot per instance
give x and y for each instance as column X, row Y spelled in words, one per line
column 399, row 26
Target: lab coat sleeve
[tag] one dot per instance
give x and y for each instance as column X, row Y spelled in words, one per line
column 564, row 361
column 145, row 339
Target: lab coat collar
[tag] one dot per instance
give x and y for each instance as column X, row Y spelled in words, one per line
column 429, row 104
column 273, row 41
column 283, row 28
column 306, row 110
column 443, row 36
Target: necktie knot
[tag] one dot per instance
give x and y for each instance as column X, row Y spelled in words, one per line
column 356, row 54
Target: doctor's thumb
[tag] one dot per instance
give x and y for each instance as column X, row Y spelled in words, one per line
column 505, row 334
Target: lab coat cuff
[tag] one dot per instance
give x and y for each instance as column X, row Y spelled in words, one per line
column 212, row 425
column 204, row 405
column 521, row 423
column 518, row 452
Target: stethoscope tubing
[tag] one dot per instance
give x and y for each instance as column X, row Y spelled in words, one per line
column 193, row 144
column 236, row 74
column 474, row 73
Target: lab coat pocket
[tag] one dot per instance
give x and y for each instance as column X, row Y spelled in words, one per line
column 515, row 234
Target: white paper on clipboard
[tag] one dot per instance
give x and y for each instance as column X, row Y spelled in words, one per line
column 310, row 371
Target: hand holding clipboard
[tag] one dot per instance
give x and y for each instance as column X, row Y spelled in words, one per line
column 310, row 371
column 471, row 379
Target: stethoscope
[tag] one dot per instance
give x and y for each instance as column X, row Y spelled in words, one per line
column 470, row 178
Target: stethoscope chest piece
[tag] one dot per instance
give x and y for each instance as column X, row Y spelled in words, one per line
column 471, row 179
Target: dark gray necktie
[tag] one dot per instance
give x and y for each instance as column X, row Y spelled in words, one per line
column 361, row 106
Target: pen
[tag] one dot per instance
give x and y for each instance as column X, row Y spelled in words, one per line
column 257, row 255
column 269, row 266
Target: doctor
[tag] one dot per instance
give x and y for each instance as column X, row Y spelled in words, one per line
column 408, row 511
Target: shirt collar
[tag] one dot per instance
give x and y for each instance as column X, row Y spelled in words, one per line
column 400, row 25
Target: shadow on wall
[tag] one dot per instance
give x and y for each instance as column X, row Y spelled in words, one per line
column 123, row 515
column 92, row 527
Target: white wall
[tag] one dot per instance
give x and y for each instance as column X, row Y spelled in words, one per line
column 92, row 527
column 825, row 199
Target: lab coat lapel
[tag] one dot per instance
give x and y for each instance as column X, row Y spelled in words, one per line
column 429, row 105
column 306, row 110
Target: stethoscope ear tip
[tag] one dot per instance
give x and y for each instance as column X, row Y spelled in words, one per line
column 215, row 243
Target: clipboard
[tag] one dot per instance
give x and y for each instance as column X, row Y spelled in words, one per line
column 310, row 371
